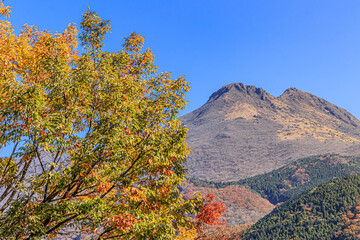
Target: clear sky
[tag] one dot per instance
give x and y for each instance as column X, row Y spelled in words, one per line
column 312, row 45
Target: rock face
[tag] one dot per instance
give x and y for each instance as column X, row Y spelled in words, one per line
column 243, row 131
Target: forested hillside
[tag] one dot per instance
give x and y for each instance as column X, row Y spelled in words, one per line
column 295, row 178
column 322, row 213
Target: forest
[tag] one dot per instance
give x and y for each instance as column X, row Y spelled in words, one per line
column 295, row 178
column 322, row 213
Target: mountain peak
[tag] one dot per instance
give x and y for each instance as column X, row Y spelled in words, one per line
column 294, row 93
column 243, row 126
column 291, row 90
column 238, row 91
column 300, row 101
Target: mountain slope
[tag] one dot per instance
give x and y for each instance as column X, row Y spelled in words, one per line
column 244, row 131
column 294, row 178
column 276, row 186
column 242, row 204
column 318, row 214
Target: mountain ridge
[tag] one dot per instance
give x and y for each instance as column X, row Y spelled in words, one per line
column 290, row 96
column 243, row 127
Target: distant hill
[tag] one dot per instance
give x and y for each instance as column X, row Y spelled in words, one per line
column 294, row 178
column 329, row 211
column 302, row 175
column 243, row 131
column 279, row 185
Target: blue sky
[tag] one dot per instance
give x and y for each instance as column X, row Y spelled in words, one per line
column 312, row 45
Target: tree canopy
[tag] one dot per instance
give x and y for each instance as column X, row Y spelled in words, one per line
column 96, row 146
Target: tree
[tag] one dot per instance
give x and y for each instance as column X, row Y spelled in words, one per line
column 96, row 145
column 208, row 222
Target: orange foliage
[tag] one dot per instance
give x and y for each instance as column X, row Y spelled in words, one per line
column 121, row 221
column 239, row 201
column 351, row 224
column 4, row 10
column 234, row 232
column 210, row 214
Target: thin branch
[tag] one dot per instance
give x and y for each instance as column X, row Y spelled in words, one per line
column 61, row 223
column 10, row 158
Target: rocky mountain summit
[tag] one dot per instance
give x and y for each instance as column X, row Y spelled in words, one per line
column 242, row 131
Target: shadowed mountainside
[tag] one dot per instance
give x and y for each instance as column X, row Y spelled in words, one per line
column 329, row 211
column 277, row 186
column 244, row 131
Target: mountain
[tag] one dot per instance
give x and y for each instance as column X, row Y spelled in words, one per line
column 243, row 131
column 329, row 211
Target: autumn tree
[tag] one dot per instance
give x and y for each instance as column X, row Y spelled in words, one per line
column 209, row 222
column 96, row 146
column 350, row 225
